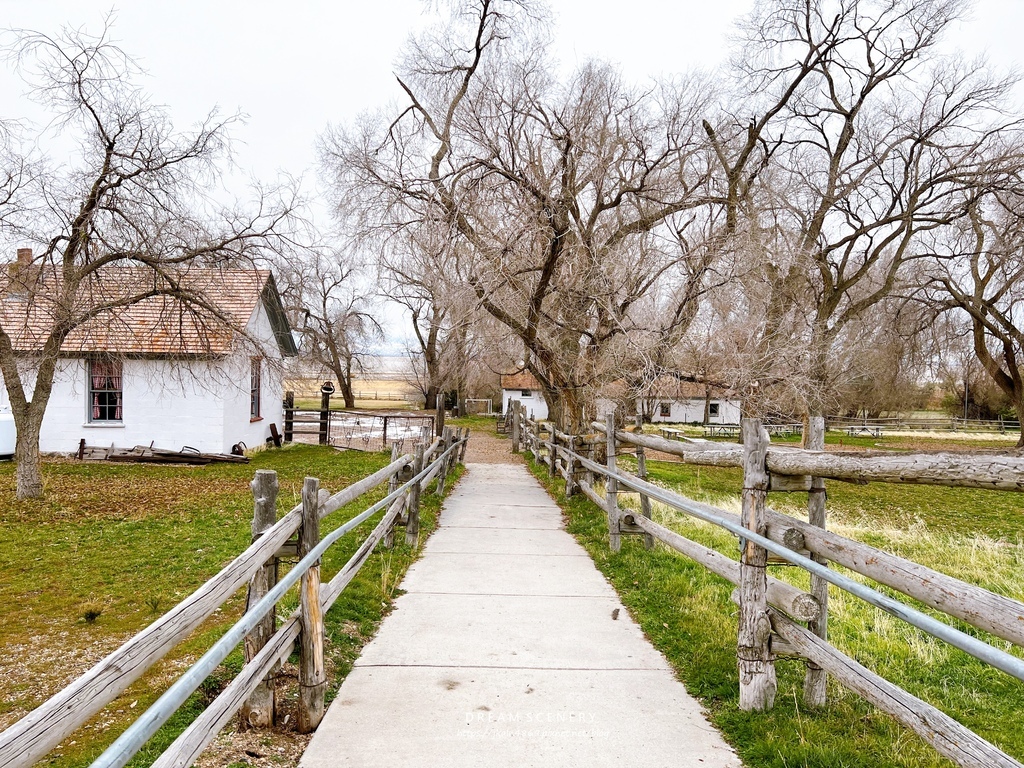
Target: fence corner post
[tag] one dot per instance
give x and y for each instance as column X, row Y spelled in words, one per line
column 258, row 710
column 412, row 526
column 312, row 675
column 753, row 647
column 611, row 488
column 815, row 679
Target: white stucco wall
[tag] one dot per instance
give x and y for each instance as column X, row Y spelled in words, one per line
column 237, row 425
column 203, row 404
column 534, row 402
column 683, row 411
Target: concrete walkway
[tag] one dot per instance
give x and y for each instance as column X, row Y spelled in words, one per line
column 510, row 649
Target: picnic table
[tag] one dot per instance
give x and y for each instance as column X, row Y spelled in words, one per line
column 784, row 430
column 722, row 430
column 863, row 429
column 669, row 433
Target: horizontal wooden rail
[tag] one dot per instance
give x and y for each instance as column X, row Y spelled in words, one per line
column 786, row 597
column 189, row 745
column 1002, row 616
column 25, row 742
column 998, row 614
column 946, row 735
column 128, row 743
column 995, row 657
column 989, row 471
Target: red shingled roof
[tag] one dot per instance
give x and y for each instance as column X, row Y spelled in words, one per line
column 521, row 380
column 220, row 304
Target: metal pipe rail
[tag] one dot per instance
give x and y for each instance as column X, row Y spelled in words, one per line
column 979, row 649
column 138, row 733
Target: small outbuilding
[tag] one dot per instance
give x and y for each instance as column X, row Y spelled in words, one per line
column 207, row 375
column 525, row 388
column 683, row 403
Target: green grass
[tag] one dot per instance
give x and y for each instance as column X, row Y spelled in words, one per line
column 687, row 614
column 131, row 541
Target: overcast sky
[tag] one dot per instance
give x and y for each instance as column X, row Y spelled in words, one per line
column 293, row 67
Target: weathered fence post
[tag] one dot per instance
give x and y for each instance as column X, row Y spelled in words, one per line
column 258, row 710
column 536, row 440
column 570, row 468
column 753, row 647
column 446, row 441
column 389, row 537
column 590, row 457
column 553, row 452
column 312, row 675
column 611, row 489
column 289, row 416
column 815, row 679
column 516, row 424
column 641, row 472
column 439, row 416
column 412, row 526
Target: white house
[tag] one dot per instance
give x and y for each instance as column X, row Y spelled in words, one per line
column 682, row 403
column 684, row 410
column 525, row 388
column 157, row 372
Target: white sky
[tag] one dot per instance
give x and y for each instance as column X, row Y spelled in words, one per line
column 293, row 67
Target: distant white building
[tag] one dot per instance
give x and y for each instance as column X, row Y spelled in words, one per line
column 719, row 410
column 682, row 403
column 156, row 373
column 525, row 388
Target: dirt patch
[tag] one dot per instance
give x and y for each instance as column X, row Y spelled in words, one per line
column 488, row 448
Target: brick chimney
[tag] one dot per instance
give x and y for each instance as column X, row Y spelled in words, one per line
column 24, row 256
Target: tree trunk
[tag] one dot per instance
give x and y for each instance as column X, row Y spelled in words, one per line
column 430, row 401
column 29, row 472
column 1018, row 408
column 565, row 409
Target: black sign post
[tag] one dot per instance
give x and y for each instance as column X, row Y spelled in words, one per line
column 325, row 409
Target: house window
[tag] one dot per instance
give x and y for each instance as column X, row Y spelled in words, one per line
column 105, row 390
column 526, row 393
column 665, row 409
column 712, row 409
column 254, row 390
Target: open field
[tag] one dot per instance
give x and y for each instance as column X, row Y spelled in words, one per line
column 113, row 546
column 977, row 536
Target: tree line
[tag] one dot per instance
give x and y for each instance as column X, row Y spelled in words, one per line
column 840, row 197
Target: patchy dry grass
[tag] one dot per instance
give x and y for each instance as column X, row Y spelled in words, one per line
column 128, row 542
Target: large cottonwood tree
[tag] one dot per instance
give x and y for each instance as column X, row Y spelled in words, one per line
column 569, row 204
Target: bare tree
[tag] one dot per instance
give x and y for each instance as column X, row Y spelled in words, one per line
column 863, row 142
column 555, row 195
column 981, row 275
column 133, row 194
column 330, row 311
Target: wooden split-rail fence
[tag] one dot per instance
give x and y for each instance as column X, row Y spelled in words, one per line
column 776, row 618
column 266, row 644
